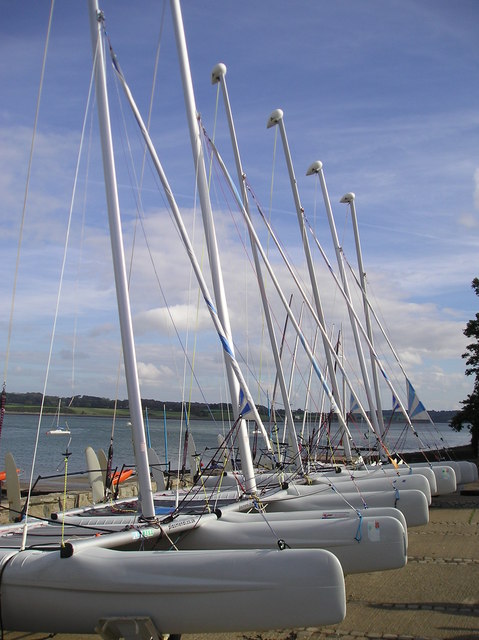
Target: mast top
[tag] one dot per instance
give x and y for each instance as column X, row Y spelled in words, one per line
column 219, row 71
column 347, row 198
column 314, row 168
column 274, row 118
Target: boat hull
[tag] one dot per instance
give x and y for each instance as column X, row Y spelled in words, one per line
column 361, row 544
column 411, row 502
column 220, row 591
column 368, row 483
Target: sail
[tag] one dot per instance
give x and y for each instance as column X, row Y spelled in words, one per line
column 353, row 405
column 416, row 409
column 246, row 411
column 395, row 403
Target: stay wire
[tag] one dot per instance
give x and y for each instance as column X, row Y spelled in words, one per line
column 57, row 306
column 25, row 199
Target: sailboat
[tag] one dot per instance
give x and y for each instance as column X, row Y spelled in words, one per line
column 92, row 586
column 59, row 430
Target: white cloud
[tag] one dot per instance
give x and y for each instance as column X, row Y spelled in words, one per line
column 183, row 317
column 468, row 220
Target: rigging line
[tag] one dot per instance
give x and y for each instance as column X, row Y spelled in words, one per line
column 368, row 342
column 139, row 186
column 198, row 295
column 60, row 286
column 257, row 377
column 184, row 347
column 271, row 272
column 280, row 293
column 380, row 325
column 170, row 315
column 67, row 455
column 80, row 259
column 25, row 196
column 153, row 87
column 269, row 225
column 312, row 311
column 167, row 306
column 242, row 240
column 197, row 316
column 275, row 146
column 150, row 110
column 215, row 122
column 227, row 350
column 136, row 189
column 221, row 182
column 155, row 73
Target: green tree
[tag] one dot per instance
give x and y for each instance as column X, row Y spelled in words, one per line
column 469, row 414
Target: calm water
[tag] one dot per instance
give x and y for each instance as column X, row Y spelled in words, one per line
column 19, row 433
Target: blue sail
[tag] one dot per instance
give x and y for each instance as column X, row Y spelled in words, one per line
column 416, row 409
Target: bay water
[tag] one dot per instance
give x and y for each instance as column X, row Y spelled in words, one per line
column 19, row 434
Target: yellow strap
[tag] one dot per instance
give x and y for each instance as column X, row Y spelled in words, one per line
column 64, row 499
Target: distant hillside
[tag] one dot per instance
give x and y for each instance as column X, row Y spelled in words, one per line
column 31, row 402
column 442, row 416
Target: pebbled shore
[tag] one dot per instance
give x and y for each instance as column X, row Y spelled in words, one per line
column 435, row 597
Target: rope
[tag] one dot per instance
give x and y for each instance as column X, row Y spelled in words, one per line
column 2, row 406
column 67, row 455
column 25, row 198
column 50, row 351
column 359, row 534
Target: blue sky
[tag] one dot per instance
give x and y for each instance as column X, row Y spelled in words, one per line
column 383, row 93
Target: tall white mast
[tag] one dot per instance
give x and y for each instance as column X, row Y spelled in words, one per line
column 227, row 350
column 219, row 76
column 286, row 306
column 276, row 118
column 317, row 168
column 119, row 267
column 349, row 198
column 208, row 224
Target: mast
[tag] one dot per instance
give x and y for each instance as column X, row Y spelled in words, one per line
column 276, row 118
column 119, row 267
column 219, row 76
column 317, row 168
column 282, row 297
column 349, row 198
column 208, row 224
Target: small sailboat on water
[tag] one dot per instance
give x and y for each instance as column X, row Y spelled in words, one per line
column 58, row 429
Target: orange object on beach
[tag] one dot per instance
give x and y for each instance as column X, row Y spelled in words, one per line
column 3, row 475
column 121, row 476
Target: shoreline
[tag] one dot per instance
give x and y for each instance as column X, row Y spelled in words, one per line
column 459, row 452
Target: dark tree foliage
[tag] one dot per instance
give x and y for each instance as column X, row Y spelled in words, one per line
column 468, row 416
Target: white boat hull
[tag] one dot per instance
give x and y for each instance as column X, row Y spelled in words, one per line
column 445, row 475
column 315, row 514
column 388, row 471
column 181, row 592
column 411, row 502
column 465, row 470
column 367, row 483
column 361, row 544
